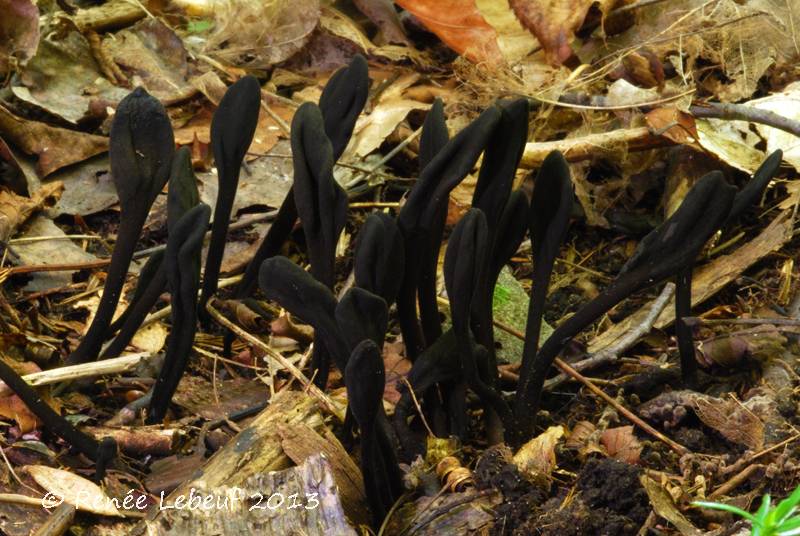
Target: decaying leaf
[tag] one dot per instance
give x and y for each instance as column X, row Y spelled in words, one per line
column 731, row 419
column 19, row 33
column 56, row 147
column 392, row 108
column 257, row 35
column 537, row 457
column 554, row 22
column 460, row 25
column 15, row 209
column 55, row 248
column 664, row 506
column 621, row 444
column 81, row 493
column 150, row 338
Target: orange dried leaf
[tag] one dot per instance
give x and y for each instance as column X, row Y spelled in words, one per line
column 621, row 444
column 460, row 25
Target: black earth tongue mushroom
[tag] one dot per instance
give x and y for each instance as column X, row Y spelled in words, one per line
column 683, row 280
column 661, row 254
column 182, row 265
column 500, row 161
column 100, row 452
column 232, row 129
column 341, row 102
column 181, row 197
column 141, row 146
column 305, row 297
column 418, row 217
column 379, row 257
column 755, row 187
column 548, row 222
column 463, row 272
column 362, row 315
column 321, row 205
column 365, row 377
column 433, row 139
column 511, row 231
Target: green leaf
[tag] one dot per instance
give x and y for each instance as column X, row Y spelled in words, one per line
column 199, row 26
column 762, row 513
column 785, row 507
column 726, row 508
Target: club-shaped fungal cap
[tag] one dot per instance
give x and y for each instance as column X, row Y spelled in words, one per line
column 445, row 171
column 362, row 315
column 500, row 160
column 379, row 256
column 342, row 100
column 365, row 378
column 434, row 134
column 679, row 238
column 283, row 281
column 141, row 145
column 321, row 202
column 755, row 187
column 463, row 262
column 182, row 194
column 551, row 205
column 234, row 124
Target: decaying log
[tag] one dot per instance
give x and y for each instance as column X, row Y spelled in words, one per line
column 299, row 500
column 290, row 429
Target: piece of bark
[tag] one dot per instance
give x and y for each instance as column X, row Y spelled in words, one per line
column 140, row 441
column 708, row 280
column 300, row 443
column 257, row 448
column 299, row 500
column 111, row 15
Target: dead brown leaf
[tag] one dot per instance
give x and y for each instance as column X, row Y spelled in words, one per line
column 384, row 16
column 537, row 457
column 15, row 209
column 675, row 125
column 554, row 22
column 56, row 147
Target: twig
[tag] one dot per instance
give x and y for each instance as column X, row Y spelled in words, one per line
column 585, row 147
column 324, row 400
column 85, row 370
column 697, row 321
column 419, row 408
column 734, row 481
column 611, row 353
column 566, row 369
column 742, row 112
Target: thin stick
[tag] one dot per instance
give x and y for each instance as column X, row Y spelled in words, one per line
column 697, row 321
column 742, row 112
column 324, row 400
column 612, row 352
column 85, row 370
column 419, row 408
column 565, row 368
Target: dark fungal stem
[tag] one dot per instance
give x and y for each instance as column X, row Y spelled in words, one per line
column 667, row 250
column 182, row 265
column 232, row 129
column 181, row 197
column 100, row 452
column 341, row 102
column 140, row 150
column 418, row 216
